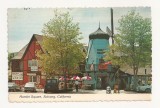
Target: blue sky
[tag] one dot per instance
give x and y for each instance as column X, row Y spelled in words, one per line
column 23, row 23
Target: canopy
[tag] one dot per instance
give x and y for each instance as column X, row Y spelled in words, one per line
column 86, row 78
column 76, row 78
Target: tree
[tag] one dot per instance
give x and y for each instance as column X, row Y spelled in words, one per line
column 132, row 46
column 61, row 48
column 10, row 56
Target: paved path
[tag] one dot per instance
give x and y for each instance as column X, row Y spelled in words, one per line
column 102, row 92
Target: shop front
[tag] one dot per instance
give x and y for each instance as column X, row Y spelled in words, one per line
column 25, row 66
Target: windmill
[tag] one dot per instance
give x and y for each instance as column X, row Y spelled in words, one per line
column 111, row 32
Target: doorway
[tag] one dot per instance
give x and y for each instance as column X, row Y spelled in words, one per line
column 104, row 83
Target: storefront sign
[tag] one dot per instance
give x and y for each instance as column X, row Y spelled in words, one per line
column 31, row 74
column 104, row 66
column 17, row 75
column 34, row 68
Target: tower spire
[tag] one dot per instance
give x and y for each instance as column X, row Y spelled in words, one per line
column 99, row 24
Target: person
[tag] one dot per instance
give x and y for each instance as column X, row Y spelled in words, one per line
column 139, row 82
column 143, row 82
column 76, row 83
column 149, row 81
column 108, row 89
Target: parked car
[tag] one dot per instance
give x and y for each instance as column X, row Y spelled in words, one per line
column 51, row 85
column 144, row 88
column 13, row 87
column 30, row 86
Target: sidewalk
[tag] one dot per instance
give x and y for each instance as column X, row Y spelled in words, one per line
column 81, row 91
column 40, row 90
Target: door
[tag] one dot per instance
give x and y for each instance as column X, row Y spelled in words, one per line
column 104, row 82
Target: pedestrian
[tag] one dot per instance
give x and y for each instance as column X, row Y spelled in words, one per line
column 76, row 83
column 108, row 89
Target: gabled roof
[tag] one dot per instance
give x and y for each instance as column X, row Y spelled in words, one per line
column 22, row 52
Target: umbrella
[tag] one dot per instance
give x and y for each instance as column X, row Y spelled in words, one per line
column 61, row 78
column 73, row 78
column 86, row 78
column 76, row 78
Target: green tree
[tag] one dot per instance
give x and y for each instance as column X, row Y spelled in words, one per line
column 62, row 51
column 10, row 56
column 132, row 46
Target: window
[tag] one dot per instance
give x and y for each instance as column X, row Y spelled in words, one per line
column 21, row 65
column 100, row 51
column 29, row 63
column 32, row 79
column 51, row 81
column 32, row 62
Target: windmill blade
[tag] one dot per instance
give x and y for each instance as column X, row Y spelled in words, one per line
column 109, row 32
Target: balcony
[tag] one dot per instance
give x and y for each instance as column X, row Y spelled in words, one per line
column 98, row 67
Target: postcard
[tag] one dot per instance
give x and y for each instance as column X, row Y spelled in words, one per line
column 79, row 54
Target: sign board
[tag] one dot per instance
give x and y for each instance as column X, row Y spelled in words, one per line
column 102, row 66
column 17, row 75
column 31, row 74
column 34, row 68
column 105, row 66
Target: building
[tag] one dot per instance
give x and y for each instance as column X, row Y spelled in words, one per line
column 96, row 66
column 143, row 77
column 24, row 66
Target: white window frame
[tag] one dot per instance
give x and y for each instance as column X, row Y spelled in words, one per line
column 32, row 62
column 31, row 79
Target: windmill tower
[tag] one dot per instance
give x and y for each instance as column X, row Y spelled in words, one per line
column 97, row 46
